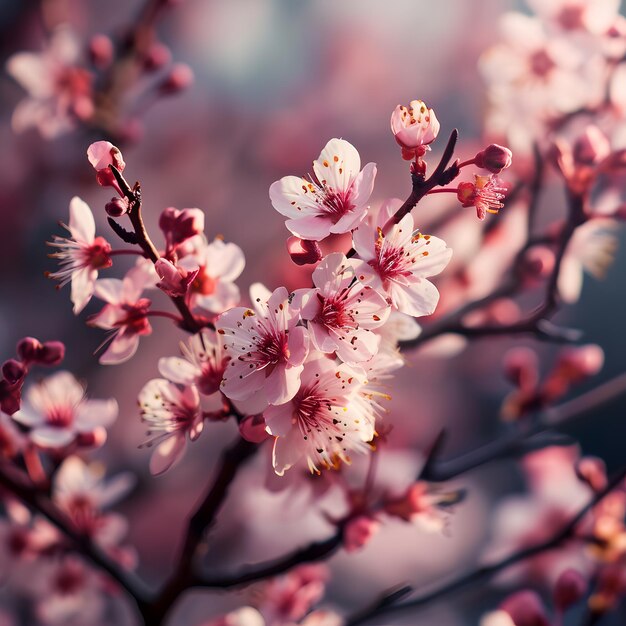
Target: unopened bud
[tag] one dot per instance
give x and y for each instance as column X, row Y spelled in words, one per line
column 93, row 439
column 178, row 226
column 13, row 371
column 526, row 609
column 521, row 367
column 31, row 350
column 592, row 470
column 52, row 353
column 359, row 532
column 569, row 589
column 28, row 349
column 303, row 251
column 538, row 262
column 591, row 147
column 157, row 57
column 252, row 429
column 116, row 207
column 101, row 50
column 101, row 154
column 180, row 77
column 581, row 362
column 494, row 158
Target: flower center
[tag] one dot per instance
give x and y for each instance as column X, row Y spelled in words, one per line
column 335, row 204
column 541, row 64
column 60, row 416
column 333, row 313
column 571, row 17
column 136, row 320
column 97, row 254
column 203, row 283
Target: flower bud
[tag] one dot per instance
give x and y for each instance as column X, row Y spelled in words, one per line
column 52, row 353
column 180, row 77
column 577, row 364
column 175, row 280
column 359, row 532
column 414, row 128
column 101, row 51
column 28, row 349
column 521, row 367
column 31, row 350
column 92, row 439
column 13, row 371
column 116, row 207
column 526, row 609
column 101, row 154
column 157, row 57
column 591, row 147
column 569, row 589
column 178, row 226
column 592, row 470
column 494, row 158
column 252, row 429
column 303, row 251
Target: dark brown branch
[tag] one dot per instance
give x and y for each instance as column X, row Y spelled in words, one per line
column 486, row 572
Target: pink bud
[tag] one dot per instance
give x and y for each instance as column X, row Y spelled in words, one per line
column 579, row 363
column 569, row 589
column 13, row 371
column 101, row 50
column 303, row 251
column 178, row 226
column 252, row 428
column 521, row 367
column 359, row 531
column 93, row 439
column 591, row 147
column 526, row 609
column 28, row 349
column 31, row 350
column 175, row 280
column 52, row 353
column 494, row 158
column 157, row 57
column 414, row 127
column 101, row 154
column 592, row 471
column 116, row 207
column 180, row 77
column 538, row 262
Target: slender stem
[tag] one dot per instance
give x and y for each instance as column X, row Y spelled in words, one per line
column 466, row 163
column 445, row 190
column 486, row 572
column 118, row 252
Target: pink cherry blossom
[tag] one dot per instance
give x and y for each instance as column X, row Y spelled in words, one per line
column 56, row 412
column 101, row 154
column 333, row 201
column 59, row 91
column 398, row 263
column 322, row 423
column 80, row 256
column 341, row 312
column 594, row 16
column 125, row 314
column 202, row 364
column 172, row 413
column 485, row 194
column 266, row 347
column 414, row 127
column 178, row 226
column 219, row 264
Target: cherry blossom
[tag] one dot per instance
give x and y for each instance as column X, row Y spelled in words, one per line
column 486, row 194
column 172, row 413
column 101, row 155
column 398, row 263
column 341, row 312
column 174, row 281
column 332, row 201
column 218, row 265
column 414, row 127
column 266, row 347
column 80, row 256
column 323, row 423
column 125, row 313
column 202, row 364
column 594, row 16
column 57, row 412
column 59, row 90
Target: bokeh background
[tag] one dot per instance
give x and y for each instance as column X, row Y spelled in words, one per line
column 274, row 80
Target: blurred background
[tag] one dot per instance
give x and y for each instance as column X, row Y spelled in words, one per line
column 274, row 80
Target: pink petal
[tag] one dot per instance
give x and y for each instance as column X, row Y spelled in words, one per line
column 167, row 454
column 82, row 224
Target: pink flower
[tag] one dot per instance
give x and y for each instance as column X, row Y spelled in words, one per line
column 414, row 128
column 202, row 364
column 398, row 263
column 57, row 412
column 218, row 264
column 178, row 226
column 593, row 16
column 175, row 280
column 341, row 312
column 323, row 422
column 172, row 412
column 494, row 158
column 333, row 201
column 266, row 347
column 80, row 256
column 126, row 314
column 485, row 194
column 101, row 154
column 59, row 91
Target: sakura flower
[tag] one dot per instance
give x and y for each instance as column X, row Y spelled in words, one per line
column 341, row 312
column 592, row 250
column 332, row 201
column 398, row 263
column 266, row 347
column 218, row 265
column 81, row 492
column 125, row 313
column 59, row 91
column 57, row 412
column 172, row 413
column 414, row 127
column 485, row 194
column 101, row 155
column 322, row 423
column 179, row 226
column 80, row 256
column 594, row 16
column 202, row 364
